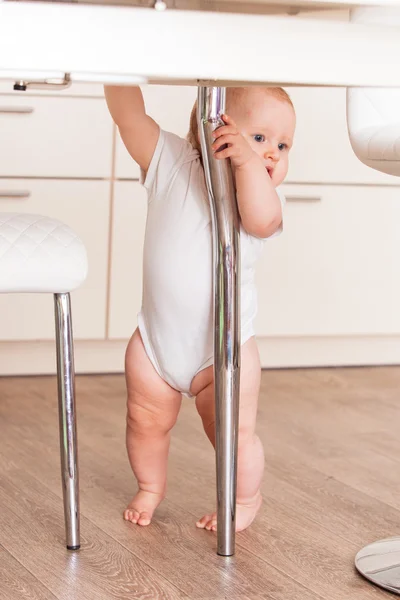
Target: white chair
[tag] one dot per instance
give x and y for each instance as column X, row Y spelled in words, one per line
column 373, row 116
column 39, row 254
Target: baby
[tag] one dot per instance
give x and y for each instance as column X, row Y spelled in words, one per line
column 171, row 351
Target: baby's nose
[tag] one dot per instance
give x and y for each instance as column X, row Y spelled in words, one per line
column 272, row 153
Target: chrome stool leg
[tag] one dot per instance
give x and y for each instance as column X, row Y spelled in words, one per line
column 380, row 563
column 67, row 417
column 221, row 191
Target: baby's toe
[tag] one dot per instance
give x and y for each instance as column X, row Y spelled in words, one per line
column 211, row 525
column 144, row 519
column 131, row 515
column 202, row 523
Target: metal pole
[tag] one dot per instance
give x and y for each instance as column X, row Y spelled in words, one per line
column 67, row 417
column 225, row 219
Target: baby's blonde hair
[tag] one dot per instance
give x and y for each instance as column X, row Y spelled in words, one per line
column 233, row 94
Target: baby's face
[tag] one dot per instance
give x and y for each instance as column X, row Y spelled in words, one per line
column 268, row 124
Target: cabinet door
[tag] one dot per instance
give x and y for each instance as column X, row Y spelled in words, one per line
column 322, row 152
column 130, row 208
column 49, row 136
column 170, row 106
column 84, row 206
column 335, row 269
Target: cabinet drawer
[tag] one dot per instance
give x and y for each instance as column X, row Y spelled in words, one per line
column 43, row 136
column 170, row 106
column 322, row 152
column 335, row 269
column 130, row 209
column 84, row 206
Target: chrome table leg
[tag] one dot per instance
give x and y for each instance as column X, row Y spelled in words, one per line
column 221, row 191
column 67, row 418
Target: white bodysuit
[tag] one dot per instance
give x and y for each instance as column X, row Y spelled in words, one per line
column 176, row 318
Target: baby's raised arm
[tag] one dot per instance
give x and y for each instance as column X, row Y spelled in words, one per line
column 139, row 132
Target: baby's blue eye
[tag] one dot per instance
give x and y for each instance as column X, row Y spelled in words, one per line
column 259, row 138
column 282, row 147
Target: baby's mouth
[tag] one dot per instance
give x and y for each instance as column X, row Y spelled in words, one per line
column 270, row 171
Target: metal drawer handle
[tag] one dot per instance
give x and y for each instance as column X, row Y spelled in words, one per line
column 14, row 194
column 307, row 199
column 16, row 109
column 49, row 83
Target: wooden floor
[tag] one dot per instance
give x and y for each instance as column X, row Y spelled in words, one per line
column 332, row 485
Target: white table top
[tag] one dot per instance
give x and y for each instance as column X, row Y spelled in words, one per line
column 266, row 6
column 128, row 44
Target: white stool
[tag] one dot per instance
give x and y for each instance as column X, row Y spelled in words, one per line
column 373, row 117
column 38, row 254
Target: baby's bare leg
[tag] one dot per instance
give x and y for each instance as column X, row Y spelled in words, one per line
column 250, row 450
column 152, row 410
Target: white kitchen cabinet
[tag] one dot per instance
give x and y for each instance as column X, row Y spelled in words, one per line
column 55, row 137
column 335, row 269
column 84, row 206
column 170, row 106
column 129, row 219
column 330, row 281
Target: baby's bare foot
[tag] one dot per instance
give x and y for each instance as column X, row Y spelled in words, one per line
column 140, row 510
column 245, row 514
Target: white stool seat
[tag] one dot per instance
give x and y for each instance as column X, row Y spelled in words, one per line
column 373, row 114
column 39, row 254
column 373, row 117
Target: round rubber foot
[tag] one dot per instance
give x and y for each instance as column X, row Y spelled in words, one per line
column 73, row 547
column 380, row 563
